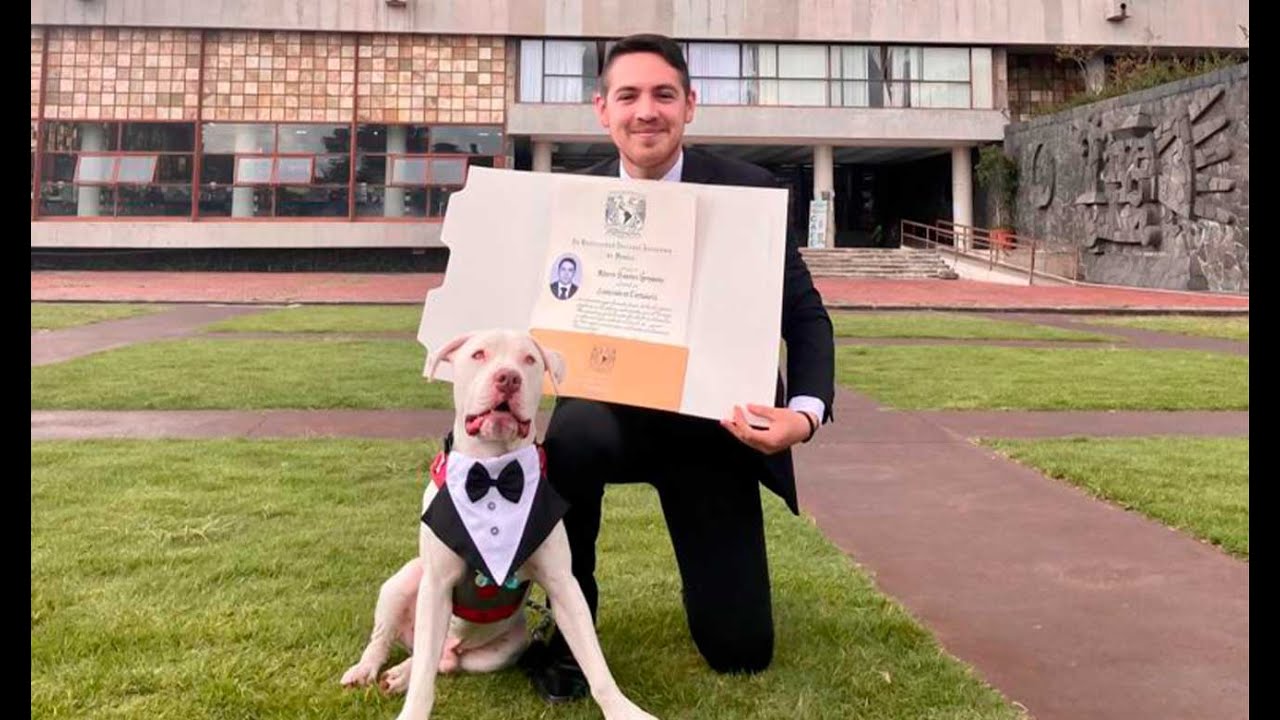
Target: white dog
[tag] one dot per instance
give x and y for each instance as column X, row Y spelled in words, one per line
column 494, row 528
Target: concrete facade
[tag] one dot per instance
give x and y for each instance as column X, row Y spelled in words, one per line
column 1169, row 23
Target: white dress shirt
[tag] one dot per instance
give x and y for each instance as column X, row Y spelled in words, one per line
column 800, row 403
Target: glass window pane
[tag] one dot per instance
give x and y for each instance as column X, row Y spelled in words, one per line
column 852, row 62
column 218, row 169
column 253, row 170
column 238, row 138
column 942, row 95
column 371, row 169
column 293, row 170
column 174, row 169
column 719, row 91
column 226, row 201
column 762, row 92
column 943, row 63
column 155, row 200
column 802, row 92
column 59, row 167
column 759, row 60
column 311, row 202
column 409, row 171
column 391, row 202
column 371, row 138
column 61, row 199
column 137, row 169
column 571, row 57
column 904, row 63
column 710, row 60
column 438, row 201
column 851, row 94
column 314, row 138
column 467, row 139
column 333, row 169
column 531, row 71
column 172, row 137
column 448, row 171
column 73, row 136
column 568, row 89
column 802, row 61
column 980, row 60
column 96, row 168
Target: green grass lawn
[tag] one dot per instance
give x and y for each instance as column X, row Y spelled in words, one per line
column 1229, row 328
column 326, row 319
column 243, row 374
column 237, row 579
column 1200, row 485
column 948, row 326
column 1000, row 378
column 56, row 316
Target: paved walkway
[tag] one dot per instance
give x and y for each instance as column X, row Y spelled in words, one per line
column 1070, row 606
column 412, row 289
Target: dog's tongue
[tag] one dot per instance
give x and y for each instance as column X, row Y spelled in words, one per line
column 473, row 425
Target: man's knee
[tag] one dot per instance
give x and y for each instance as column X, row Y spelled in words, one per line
column 582, row 439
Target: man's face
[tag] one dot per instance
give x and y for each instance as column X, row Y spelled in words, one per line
column 566, row 273
column 645, row 110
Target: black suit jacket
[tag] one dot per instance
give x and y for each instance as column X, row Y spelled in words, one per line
column 806, row 327
column 555, row 290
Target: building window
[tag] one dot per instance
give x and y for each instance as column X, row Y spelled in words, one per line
column 559, row 71
column 409, row 171
column 117, row 169
column 275, row 170
column 721, row 73
column 929, row 77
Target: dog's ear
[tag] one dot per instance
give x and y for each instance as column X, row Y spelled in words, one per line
column 445, row 354
column 554, row 362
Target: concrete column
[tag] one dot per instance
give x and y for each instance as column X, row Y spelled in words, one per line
column 393, row 199
column 93, row 138
column 961, row 192
column 541, row 156
column 242, row 197
column 823, row 190
column 1095, row 73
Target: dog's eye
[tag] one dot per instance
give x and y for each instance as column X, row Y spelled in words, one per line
column 530, row 360
column 477, row 355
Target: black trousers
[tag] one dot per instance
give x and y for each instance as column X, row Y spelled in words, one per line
column 708, row 484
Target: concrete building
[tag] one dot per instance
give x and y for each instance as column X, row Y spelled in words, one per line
column 330, row 124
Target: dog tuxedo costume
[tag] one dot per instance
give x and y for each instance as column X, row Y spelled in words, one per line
column 492, row 512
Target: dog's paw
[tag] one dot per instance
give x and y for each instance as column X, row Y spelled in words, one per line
column 396, row 680
column 360, row 675
column 448, row 662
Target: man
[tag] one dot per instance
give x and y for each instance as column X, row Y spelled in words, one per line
column 564, row 287
column 706, row 473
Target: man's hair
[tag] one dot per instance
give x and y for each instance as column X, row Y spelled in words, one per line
column 660, row 45
column 571, row 261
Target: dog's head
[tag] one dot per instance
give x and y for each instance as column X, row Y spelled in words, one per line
column 497, row 382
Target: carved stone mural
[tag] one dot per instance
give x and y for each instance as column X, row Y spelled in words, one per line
column 1152, row 186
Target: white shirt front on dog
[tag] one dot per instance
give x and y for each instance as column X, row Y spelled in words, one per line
column 494, row 523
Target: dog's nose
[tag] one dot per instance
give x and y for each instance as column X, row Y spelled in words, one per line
column 507, row 381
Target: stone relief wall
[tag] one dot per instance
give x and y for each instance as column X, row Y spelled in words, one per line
column 1153, row 186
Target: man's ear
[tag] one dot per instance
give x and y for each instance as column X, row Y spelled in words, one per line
column 445, row 354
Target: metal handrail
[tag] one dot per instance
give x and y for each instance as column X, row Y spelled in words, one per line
column 1006, row 250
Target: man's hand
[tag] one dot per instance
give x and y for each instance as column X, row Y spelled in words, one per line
column 786, row 428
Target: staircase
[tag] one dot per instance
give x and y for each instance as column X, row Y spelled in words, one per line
column 887, row 263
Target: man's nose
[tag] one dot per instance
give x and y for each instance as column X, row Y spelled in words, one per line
column 646, row 108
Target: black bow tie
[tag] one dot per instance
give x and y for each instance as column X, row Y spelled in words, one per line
column 510, row 482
